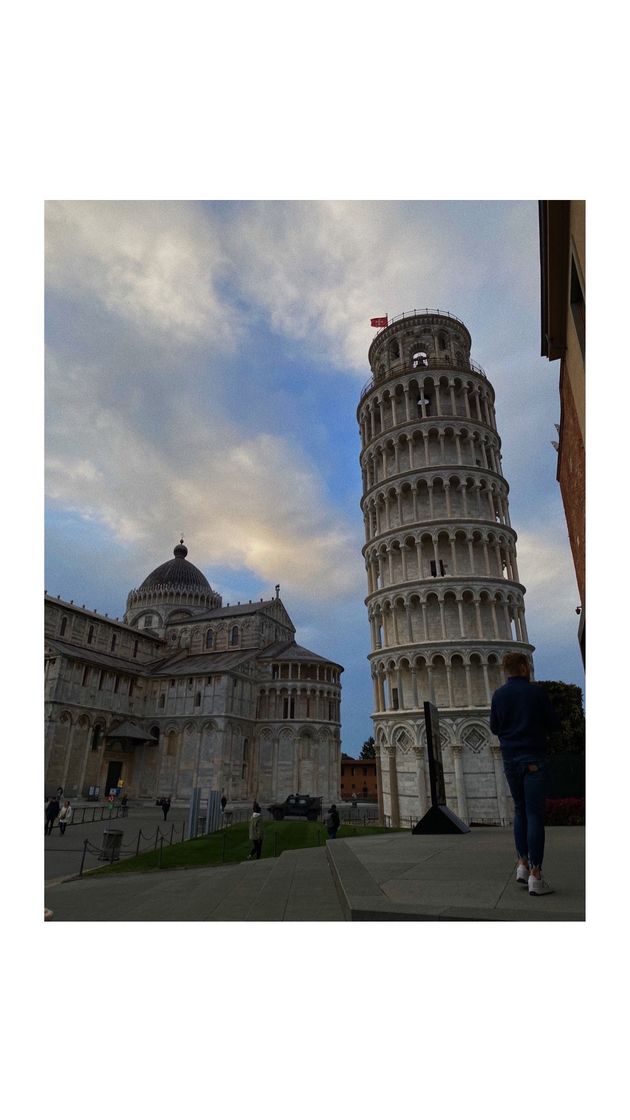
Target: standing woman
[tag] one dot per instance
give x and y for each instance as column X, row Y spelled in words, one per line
column 65, row 816
column 256, row 831
column 52, row 811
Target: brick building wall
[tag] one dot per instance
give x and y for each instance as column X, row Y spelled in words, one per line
column 571, row 477
column 358, row 776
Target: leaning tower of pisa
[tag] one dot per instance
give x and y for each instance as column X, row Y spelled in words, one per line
column 444, row 597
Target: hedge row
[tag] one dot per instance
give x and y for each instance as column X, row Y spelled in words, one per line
column 564, row 810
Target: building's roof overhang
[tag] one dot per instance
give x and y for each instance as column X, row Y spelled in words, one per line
column 553, row 224
column 131, row 732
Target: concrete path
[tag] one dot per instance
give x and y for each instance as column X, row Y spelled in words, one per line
column 467, row 877
column 401, row 877
column 296, row 887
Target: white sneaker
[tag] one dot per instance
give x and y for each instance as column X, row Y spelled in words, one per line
column 522, row 874
column 538, row 886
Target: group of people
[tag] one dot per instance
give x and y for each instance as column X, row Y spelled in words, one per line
column 55, row 809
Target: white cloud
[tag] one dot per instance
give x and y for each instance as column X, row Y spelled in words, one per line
column 320, row 270
column 546, row 570
column 154, row 264
column 256, row 503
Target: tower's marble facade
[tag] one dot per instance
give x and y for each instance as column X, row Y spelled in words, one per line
column 186, row 692
column 444, row 597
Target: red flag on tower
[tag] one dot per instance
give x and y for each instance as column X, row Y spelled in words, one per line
column 380, row 322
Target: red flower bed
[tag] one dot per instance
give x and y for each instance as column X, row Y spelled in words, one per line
column 564, row 810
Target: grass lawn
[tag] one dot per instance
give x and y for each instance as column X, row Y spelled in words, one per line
column 232, row 845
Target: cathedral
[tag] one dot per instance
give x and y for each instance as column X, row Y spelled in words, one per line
column 185, row 692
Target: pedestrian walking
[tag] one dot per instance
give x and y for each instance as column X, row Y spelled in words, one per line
column 256, row 831
column 332, row 822
column 522, row 716
column 166, row 804
column 223, row 803
column 123, row 804
column 52, row 812
column 65, row 817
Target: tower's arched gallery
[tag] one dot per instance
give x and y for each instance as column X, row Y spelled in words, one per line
column 184, row 692
column 444, row 597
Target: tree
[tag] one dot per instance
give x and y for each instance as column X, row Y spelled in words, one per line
column 344, row 755
column 368, row 750
column 567, row 700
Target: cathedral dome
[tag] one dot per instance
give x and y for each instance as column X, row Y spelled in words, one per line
column 178, row 574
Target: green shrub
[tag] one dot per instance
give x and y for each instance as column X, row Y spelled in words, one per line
column 564, row 810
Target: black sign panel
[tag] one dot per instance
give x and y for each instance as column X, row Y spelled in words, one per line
column 434, row 754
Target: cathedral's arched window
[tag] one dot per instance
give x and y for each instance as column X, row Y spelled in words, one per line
column 209, row 639
column 234, row 636
column 114, row 640
column 96, row 735
column 197, row 699
column 394, row 351
column 135, row 648
column 62, row 628
column 155, row 731
column 147, row 621
column 442, row 341
column 90, row 636
column 244, row 765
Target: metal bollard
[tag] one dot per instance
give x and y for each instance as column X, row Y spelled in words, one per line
column 85, row 844
column 161, row 850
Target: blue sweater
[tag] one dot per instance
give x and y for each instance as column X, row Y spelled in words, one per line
column 522, row 716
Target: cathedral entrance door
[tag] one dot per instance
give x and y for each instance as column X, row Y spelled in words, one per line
column 114, row 770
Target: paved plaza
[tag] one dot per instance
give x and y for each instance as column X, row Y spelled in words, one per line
column 397, row 877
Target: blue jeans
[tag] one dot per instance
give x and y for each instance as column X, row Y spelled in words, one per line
column 527, row 779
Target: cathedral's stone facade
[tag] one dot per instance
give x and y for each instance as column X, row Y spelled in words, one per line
column 184, row 693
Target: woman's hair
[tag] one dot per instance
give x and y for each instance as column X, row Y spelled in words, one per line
column 256, row 807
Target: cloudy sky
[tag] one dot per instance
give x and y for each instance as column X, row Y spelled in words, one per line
column 204, row 364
